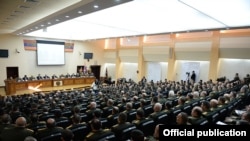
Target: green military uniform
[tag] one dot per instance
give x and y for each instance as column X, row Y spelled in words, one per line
column 16, row 134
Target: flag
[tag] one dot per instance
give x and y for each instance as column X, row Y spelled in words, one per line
column 29, row 44
column 106, row 74
column 85, row 69
column 69, row 47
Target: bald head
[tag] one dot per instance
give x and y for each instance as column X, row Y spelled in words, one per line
column 157, row 107
column 21, row 122
column 93, row 105
column 51, row 123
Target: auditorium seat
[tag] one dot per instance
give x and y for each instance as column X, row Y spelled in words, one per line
column 147, row 126
column 63, row 123
column 52, row 137
column 110, row 136
column 161, row 118
column 124, row 133
column 80, row 131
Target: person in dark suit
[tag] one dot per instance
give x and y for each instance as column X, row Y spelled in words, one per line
column 5, row 122
column 196, row 115
column 139, row 117
column 78, row 127
column 50, row 129
column 68, row 75
column 54, row 76
column 108, row 109
column 35, row 124
column 137, row 135
column 129, row 111
column 122, row 124
column 17, row 133
column 96, row 131
column 25, row 78
column 39, row 77
column 67, row 135
column 90, row 111
column 182, row 119
column 46, row 77
column 193, row 77
column 157, row 110
column 112, row 118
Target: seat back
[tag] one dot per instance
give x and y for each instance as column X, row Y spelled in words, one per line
column 80, row 132
column 123, row 134
column 126, row 132
column 131, row 116
column 147, row 127
column 148, row 110
column 52, row 137
column 175, row 112
column 104, row 122
column 187, row 109
column 204, row 122
column 107, row 137
column 161, row 118
column 63, row 123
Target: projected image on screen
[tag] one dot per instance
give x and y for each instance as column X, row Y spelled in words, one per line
column 50, row 53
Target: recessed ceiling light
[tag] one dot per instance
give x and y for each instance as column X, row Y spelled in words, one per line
column 96, row 6
column 48, row 23
column 79, row 12
column 57, row 20
column 67, row 16
column 42, row 25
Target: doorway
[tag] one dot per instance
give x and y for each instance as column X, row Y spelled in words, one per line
column 96, row 70
column 12, row 72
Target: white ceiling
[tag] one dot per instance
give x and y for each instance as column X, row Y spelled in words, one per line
column 119, row 18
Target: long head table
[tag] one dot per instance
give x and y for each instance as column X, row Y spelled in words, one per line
column 11, row 86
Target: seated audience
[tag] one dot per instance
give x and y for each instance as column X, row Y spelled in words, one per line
column 5, row 122
column 96, row 131
column 122, row 124
column 137, row 135
column 182, row 119
column 50, row 129
column 17, row 133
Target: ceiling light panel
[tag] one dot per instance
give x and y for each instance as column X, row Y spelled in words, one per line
column 231, row 12
column 144, row 17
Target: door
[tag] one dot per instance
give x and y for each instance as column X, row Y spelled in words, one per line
column 96, row 70
column 12, row 72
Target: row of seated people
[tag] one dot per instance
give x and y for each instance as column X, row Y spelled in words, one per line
column 140, row 122
column 107, row 110
column 54, row 76
column 91, row 131
column 94, row 130
column 90, row 103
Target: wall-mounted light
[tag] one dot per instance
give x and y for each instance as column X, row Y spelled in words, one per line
column 17, row 51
